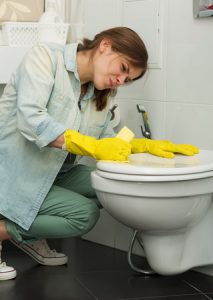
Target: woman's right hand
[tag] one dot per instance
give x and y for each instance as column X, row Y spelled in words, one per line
column 103, row 149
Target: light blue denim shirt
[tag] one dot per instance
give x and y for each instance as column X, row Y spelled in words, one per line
column 38, row 104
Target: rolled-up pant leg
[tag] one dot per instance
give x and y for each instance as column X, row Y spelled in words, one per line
column 67, row 211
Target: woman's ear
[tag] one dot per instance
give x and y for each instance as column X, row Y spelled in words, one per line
column 105, row 44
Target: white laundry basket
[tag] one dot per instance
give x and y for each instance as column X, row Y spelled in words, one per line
column 19, row 34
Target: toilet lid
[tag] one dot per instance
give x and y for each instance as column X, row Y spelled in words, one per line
column 147, row 164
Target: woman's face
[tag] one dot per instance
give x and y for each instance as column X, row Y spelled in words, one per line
column 111, row 69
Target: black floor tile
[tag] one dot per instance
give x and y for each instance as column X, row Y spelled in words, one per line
column 95, row 257
column 41, row 282
column 201, row 281
column 181, row 297
column 96, row 272
column 122, row 284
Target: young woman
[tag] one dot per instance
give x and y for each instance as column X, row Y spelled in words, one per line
column 56, row 108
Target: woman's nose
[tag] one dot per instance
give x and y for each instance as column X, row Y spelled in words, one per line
column 121, row 79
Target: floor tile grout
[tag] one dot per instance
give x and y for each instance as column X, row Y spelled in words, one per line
column 164, row 297
column 197, row 289
column 85, row 287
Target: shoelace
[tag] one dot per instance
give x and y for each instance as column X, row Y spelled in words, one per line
column 46, row 247
column 44, row 242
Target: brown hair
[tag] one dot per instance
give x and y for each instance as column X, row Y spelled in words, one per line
column 125, row 41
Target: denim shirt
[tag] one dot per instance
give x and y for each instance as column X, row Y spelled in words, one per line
column 38, row 104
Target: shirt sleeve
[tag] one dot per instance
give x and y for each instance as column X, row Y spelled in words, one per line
column 34, row 83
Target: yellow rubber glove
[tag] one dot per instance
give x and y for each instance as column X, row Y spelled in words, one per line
column 162, row 148
column 103, row 149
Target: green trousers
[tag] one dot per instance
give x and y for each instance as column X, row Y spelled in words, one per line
column 70, row 209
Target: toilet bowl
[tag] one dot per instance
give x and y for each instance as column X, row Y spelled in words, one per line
column 169, row 201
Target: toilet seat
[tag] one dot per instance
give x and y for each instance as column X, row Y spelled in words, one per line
column 146, row 167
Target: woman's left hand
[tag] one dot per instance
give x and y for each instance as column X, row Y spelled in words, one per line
column 165, row 149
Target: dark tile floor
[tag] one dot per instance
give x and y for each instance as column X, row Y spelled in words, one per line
column 96, row 272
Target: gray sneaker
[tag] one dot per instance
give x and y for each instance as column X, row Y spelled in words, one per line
column 41, row 252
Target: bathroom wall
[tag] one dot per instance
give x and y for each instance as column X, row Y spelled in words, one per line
column 178, row 95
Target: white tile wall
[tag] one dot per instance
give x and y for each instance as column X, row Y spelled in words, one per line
column 104, row 231
column 190, row 123
column 189, row 55
column 131, row 118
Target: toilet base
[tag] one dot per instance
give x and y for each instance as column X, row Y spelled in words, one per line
column 182, row 250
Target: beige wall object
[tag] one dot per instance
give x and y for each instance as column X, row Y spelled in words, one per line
column 21, row 10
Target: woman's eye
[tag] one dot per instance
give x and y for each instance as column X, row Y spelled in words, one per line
column 123, row 68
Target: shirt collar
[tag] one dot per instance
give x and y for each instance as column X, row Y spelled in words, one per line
column 70, row 59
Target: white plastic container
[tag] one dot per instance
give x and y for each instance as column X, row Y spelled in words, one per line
column 21, row 34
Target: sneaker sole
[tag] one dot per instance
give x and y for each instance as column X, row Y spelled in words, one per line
column 42, row 260
column 8, row 275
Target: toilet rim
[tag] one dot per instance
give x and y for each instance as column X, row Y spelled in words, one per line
column 182, row 167
column 152, row 178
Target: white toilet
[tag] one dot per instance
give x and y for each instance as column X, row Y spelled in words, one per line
column 168, row 200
